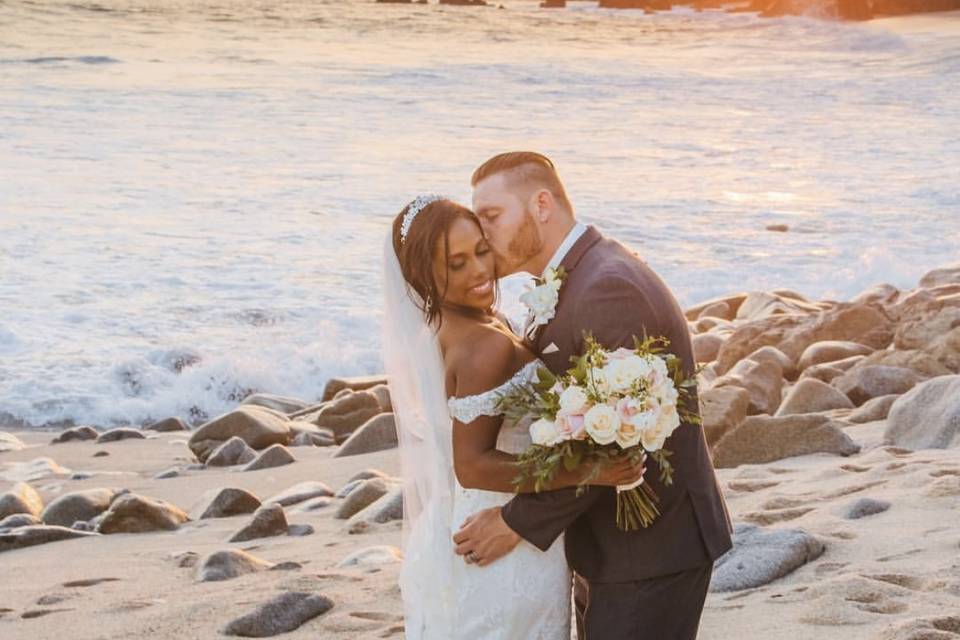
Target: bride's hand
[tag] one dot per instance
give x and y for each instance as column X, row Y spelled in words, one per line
column 620, row 471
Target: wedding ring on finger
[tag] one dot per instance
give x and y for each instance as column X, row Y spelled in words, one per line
column 472, row 558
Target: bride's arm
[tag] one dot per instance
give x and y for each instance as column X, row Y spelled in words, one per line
column 477, row 461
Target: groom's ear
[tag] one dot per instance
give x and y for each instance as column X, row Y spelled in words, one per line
column 544, row 204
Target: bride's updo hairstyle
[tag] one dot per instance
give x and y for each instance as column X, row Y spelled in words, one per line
column 416, row 251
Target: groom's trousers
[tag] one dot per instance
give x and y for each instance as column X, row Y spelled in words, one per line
column 666, row 607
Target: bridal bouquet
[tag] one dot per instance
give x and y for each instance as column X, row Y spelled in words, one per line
column 611, row 403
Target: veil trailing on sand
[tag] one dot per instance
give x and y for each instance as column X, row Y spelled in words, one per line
column 415, row 374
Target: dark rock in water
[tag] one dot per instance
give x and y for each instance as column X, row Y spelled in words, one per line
column 760, row 556
column 231, row 563
column 233, row 451
column 281, row 614
column 19, row 520
column 121, row 433
column 21, row 499
column 76, row 433
column 223, row 503
column 273, row 456
column 79, row 505
column 300, row 492
column 133, row 513
column 168, row 424
column 269, row 520
column 864, row 507
column 379, row 434
column 37, row 534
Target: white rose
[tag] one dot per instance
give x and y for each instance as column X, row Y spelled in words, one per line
column 668, row 420
column 666, row 394
column 573, row 400
column 602, row 422
column 628, row 435
column 623, row 372
column 599, row 378
column 544, row 432
column 653, row 438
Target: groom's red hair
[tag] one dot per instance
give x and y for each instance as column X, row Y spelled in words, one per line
column 527, row 168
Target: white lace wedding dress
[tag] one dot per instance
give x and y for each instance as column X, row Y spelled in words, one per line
column 526, row 594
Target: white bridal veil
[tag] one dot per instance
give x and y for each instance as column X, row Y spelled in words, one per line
column 415, row 373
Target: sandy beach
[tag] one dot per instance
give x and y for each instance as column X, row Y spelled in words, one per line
column 841, row 473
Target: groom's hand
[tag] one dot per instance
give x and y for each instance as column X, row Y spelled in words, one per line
column 485, row 537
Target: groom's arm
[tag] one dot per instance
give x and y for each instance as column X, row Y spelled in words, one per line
column 614, row 310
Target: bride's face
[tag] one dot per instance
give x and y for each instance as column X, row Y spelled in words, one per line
column 466, row 272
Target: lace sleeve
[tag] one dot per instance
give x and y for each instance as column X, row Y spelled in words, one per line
column 469, row 408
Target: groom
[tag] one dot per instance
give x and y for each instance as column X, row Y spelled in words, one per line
column 650, row 583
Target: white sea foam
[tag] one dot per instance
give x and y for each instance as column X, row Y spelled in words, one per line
column 193, row 207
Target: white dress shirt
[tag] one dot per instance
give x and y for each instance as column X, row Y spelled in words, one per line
column 572, row 236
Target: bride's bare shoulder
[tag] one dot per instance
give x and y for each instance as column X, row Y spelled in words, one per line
column 480, row 358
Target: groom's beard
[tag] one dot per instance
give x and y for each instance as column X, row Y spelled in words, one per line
column 526, row 244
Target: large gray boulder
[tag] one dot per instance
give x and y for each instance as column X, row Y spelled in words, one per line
column 281, row 614
column 259, row 427
column 760, row 556
column 37, row 534
column 228, row 564
column 19, row 520
column 79, row 505
column 872, row 381
column 762, row 380
column 927, row 417
column 722, row 409
column 224, row 503
column 378, row 434
column 761, row 439
column 344, row 414
column 810, row 395
column 21, row 499
column 132, row 513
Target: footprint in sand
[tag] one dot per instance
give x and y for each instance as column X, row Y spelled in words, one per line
column 853, row 599
column 377, row 616
column 853, row 488
column 854, row 468
column 396, row 629
column 940, row 628
column 89, row 582
column 765, row 518
column 825, row 568
column 52, row 598
column 939, row 473
column 39, row 613
column 750, row 486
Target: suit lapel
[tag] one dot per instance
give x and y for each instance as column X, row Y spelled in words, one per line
column 569, row 262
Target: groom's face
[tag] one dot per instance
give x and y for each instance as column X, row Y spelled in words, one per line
column 508, row 221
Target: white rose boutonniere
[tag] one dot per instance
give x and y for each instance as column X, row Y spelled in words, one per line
column 541, row 300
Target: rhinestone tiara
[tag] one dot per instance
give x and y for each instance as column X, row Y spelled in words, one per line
column 419, row 204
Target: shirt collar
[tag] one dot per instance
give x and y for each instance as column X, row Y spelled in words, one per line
column 572, row 236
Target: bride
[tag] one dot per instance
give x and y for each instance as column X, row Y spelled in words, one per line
column 448, row 355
